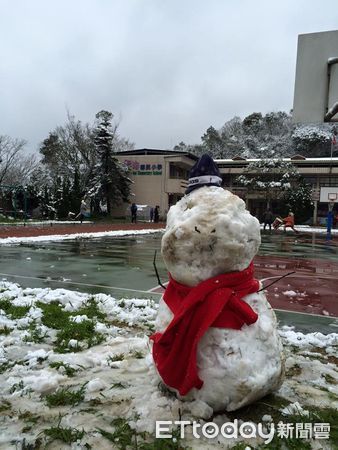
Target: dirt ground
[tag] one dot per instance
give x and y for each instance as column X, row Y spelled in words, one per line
column 71, row 228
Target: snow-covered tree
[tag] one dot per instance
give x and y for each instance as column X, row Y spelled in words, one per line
column 110, row 183
column 73, row 157
column 273, row 177
column 257, row 136
column 70, row 150
column 313, row 140
column 299, row 201
column 213, row 142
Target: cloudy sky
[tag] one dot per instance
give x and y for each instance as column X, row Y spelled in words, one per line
column 167, row 69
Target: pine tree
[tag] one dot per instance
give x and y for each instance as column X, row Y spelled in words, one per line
column 111, row 183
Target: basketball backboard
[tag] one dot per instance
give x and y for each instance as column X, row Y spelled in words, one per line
column 316, row 84
column 329, row 194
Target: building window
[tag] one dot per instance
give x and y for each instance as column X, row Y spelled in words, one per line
column 177, row 172
column 328, row 181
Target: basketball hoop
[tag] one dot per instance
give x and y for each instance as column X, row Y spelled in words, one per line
column 332, row 198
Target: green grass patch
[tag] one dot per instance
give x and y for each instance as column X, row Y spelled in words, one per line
column 91, row 310
column 15, row 312
column 5, row 405
column 64, row 434
column 293, row 371
column 5, row 331
column 117, row 357
column 69, row 371
column 65, row 397
column 83, row 332
column 271, row 405
column 124, row 437
column 137, row 354
column 35, row 334
column 30, row 420
column 239, row 446
column 27, row 416
column 17, row 387
column 53, row 315
column 118, row 386
column 5, row 366
column 329, row 379
column 36, row 445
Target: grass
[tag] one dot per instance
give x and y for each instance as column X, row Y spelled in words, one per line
column 293, row 371
column 137, row 354
column 5, row 331
column 35, row 334
column 5, row 366
column 5, row 405
column 124, row 437
column 118, row 386
column 329, row 379
column 83, row 332
column 69, row 371
column 65, row 397
column 36, row 445
column 66, row 435
column 15, row 312
column 91, row 310
column 239, row 446
column 271, row 405
column 17, row 387
column 30, row 420
column 53, row 315
column 117, row 357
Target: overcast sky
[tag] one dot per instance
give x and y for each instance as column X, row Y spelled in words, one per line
column 168, row 69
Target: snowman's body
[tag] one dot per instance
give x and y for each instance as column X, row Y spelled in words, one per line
column 209, row 232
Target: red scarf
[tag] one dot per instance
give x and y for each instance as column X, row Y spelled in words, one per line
column 216, row 302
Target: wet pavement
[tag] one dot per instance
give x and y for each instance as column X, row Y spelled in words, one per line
column 307, row 298
column 313, row 287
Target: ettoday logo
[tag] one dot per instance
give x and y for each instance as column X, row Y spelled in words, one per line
column 244, row 430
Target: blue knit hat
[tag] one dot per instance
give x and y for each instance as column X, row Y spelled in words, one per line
column 204, row 173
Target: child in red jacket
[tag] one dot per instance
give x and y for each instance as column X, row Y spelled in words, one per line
column 289, row 222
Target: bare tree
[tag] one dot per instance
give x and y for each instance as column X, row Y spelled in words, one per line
column 22, row 171
column 11, row 158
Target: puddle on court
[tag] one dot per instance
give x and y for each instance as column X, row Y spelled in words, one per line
column 126, row 264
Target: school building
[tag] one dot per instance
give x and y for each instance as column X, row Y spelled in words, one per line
column 160, row 177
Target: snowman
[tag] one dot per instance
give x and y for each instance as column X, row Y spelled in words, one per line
column 216, row 336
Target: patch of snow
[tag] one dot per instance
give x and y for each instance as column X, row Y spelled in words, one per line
column 63, row 237
column 294, row 408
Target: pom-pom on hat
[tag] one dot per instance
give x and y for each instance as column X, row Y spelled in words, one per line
column 204, row 173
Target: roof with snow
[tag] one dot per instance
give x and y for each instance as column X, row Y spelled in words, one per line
column 153, row 151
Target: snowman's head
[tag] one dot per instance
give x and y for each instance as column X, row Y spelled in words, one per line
column 209, row 232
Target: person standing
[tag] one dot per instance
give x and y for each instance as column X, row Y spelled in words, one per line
column 133, row 210
column 268, row 219
column 151, row 214
column 83, row 211
column 156, row 214
column 289, row 222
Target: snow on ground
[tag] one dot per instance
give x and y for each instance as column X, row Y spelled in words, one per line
column 305, row 229
column 78, row 366
column 62, row 237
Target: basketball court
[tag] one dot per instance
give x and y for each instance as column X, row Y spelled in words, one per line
column 307, row 297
